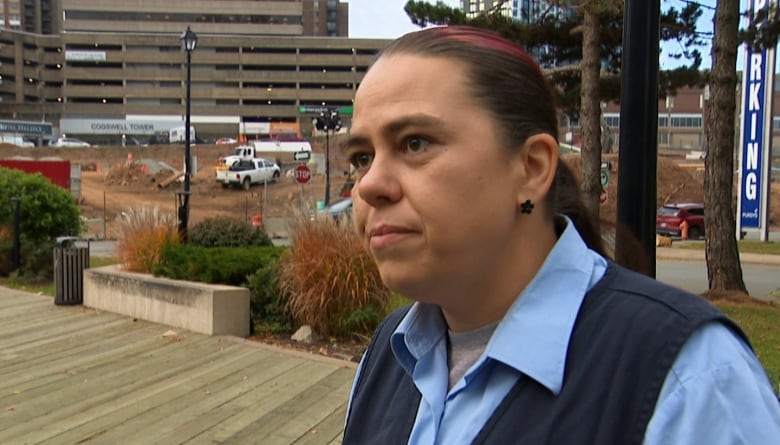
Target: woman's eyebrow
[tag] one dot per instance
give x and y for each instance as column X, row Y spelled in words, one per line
column 353, row 141
column 417, row 119
column 393, row 127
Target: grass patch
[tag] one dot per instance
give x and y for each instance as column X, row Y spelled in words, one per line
column 761, row 323
column 744, row 246
column 46, row 287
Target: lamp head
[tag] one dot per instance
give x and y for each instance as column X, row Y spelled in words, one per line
column 189, row 40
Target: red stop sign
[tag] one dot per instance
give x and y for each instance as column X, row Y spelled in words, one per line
column 302, row 174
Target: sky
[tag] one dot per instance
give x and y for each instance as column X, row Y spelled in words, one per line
column 386, row 19
column 382, row 19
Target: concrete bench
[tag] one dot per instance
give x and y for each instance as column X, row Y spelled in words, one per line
column 199, row 307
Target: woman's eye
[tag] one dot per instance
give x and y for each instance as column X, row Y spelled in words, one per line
column 416, row 144
column 361, row 160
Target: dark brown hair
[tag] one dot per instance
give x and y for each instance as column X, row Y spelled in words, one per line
column 510, row 84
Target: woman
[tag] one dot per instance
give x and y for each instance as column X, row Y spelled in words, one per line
column 522, row 331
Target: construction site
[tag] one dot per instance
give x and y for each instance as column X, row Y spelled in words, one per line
column 113, row 179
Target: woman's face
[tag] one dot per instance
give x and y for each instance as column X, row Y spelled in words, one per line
column 437, row 190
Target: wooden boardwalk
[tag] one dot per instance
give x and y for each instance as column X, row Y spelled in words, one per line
column 73, row 375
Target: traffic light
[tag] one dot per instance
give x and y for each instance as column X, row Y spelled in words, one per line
column 327, row 121
column 335, row 121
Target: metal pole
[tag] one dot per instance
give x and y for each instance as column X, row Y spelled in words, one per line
column 17, row 255
column 637, row 191
column 327, row 164
column 184, row 211
column 105, row 233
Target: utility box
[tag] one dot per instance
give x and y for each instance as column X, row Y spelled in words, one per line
column 70, row 262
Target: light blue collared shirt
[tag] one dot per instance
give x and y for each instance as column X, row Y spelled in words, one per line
column 716, row 392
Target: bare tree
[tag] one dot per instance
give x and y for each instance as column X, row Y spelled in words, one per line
column 724, row 270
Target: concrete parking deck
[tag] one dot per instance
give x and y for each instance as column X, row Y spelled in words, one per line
column 75, row 375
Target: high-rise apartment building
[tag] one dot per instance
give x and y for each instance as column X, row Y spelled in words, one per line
column 520, row 10
column 10, row 14
column 93, row 65
column 325, row 18
column 230, row 17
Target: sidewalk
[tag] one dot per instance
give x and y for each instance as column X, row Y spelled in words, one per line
column 682, row 254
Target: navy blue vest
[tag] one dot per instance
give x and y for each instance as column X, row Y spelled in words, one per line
column 627, row 335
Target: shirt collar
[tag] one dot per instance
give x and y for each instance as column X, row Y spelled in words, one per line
column 533, row 336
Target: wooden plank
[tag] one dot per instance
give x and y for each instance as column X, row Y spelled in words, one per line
column 299, row 413
column 330, row 430
column 134, row 411
column 19, row 302
column 196, row 410
column 73, row 391
column 45, row 375
column 74, row 375
column 120, row 333
column 247, row 408
column 49, row 330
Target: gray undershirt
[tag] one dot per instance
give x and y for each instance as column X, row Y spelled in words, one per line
column 464, row 348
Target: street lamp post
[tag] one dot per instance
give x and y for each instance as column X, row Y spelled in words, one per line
column 188, row 41
column 17, row 256
column 327, row 122
column 669, row 107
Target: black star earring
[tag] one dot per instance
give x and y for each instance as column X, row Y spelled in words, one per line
column 527, row 207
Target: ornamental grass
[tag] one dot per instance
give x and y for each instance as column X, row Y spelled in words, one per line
column 329, row 280
column 143, row 234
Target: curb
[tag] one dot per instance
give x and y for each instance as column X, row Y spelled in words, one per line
column 667, row 253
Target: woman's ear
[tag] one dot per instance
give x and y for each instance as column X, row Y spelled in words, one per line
column 540, row 156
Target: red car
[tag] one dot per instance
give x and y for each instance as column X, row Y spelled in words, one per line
column 670, row 216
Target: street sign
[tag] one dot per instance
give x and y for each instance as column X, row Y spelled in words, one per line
column 311, row 109
column 314, row 109
column 603, row 196
column 302, row 174
column 604, row 178
column 302, row 155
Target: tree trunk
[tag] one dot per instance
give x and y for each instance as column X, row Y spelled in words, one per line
column 590, row 111
column 724, row 270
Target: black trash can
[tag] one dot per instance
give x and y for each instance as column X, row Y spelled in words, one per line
column 69, row 264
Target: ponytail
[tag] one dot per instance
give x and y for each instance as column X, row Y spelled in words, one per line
column 567, row 200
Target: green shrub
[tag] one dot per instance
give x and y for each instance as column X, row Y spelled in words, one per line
column 216, row 265
column 330, row 280
column 37, row 259
column 268, row 305
column 46, row 211
column 224, row 231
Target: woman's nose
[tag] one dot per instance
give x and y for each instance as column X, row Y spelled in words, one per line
column 379, row 184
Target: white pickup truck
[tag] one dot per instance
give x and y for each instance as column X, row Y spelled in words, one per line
column 258, row 149
column 246, row 172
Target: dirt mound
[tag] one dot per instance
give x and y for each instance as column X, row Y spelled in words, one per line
column 125, row 175
column 732, row 297
column 678, row 181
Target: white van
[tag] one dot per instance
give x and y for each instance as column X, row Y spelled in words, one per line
column 176, row 134
column 15, row 140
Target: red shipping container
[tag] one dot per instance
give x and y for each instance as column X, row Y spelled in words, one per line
column 58, row 172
